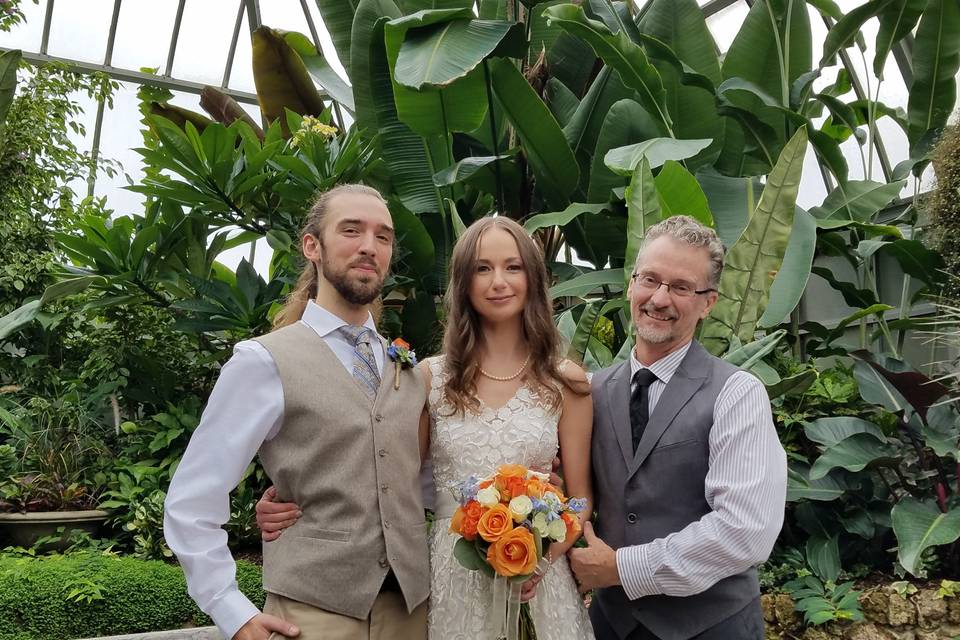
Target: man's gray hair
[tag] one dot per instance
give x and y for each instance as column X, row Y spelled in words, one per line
column 689, row 231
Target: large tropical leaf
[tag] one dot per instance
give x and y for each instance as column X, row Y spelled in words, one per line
column 847, row 29
column 680, row 194
column 436, row 56
column 553, row 163
column 584, row 127
column 681, row 26
column 459, row 106
column 19, row 317
column 756, row 257
column 853, row 453
column 281, row 78
column 587, row 283
column 9, row 61
column 830, row 431
column 618, row 51
column 338, row 19
column 800, row 486
column 625, row 123
column 318, row 67
column 404, row 152
column 732, row 202
column 936, row 59
column 896, row 21
column 643, row 211
column 791, row 280
column 919, row 526
column 624, row 160
column 857, row 200
column 561, row 218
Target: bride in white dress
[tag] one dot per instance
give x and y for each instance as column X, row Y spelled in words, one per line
column 500, row 394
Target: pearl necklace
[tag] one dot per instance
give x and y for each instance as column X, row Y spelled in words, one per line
column 507, row 378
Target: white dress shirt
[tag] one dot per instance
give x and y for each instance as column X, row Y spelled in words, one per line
column 245, row 409
column 745, row 487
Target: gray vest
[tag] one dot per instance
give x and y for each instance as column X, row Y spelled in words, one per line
column 660, row 490
column 353, row 467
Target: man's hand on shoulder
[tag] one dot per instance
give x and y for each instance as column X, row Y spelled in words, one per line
column 260, row 626
column 595, row 565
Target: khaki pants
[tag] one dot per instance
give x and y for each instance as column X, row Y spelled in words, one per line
column 388, row 620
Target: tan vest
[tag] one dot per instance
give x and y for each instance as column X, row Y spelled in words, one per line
column 353, row 467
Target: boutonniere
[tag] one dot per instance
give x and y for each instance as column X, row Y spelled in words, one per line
column 403, row 358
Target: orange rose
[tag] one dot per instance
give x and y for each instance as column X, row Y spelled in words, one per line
column 508, row 472
column 495, row 522
column 400, row 342
column 573, row 525
column 514, row 554
column 514, row 487
column 456, row 522
column 471, row 515
column 485, row 484
column 534, row 488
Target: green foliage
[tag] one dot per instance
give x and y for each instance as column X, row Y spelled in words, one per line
column 87, row 594
column 824, row 601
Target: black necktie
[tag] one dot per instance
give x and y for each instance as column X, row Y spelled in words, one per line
column 640, row 404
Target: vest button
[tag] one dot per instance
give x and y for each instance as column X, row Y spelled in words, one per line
column 631, row 518
column 378, row 417
column 386, row 524
column 382, row 453
column 383, row 563
column 384, row 488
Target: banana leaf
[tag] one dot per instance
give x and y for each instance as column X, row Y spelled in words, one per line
column 625, row 123
column 624, row 160
column 338, row 19
column 847, row 29
column 936, row 59
column 755, row 258
column 679, row 193
column 643, row 211
column 281, row 78
column 896, row 21
column 681, row 27
column 404, row 152
column 458, row 106
column 618, row 51
column 551, row 160
column 919, row 526
column 791, row 279
column 437, row 55
column 561, row 218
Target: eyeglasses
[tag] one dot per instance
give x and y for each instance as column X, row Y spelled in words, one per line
column 679, row 289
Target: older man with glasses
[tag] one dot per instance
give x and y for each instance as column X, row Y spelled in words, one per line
column 689, row 475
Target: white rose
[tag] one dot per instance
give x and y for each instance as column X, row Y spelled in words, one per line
column 551, row 499
column 520, row 507
column 536, row 474
column 557, row 530
column 540, row 524
column 488, row 497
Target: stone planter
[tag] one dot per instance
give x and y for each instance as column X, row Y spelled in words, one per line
column 24, row 529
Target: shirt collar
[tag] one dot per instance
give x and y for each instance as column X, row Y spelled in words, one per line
column 664, row 368
column 324, row 322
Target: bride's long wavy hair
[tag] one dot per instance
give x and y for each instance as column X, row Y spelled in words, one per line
column 463, row 334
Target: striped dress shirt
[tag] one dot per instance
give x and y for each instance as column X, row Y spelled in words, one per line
column 745, row 488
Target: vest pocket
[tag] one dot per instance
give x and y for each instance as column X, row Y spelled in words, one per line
column 316, row 533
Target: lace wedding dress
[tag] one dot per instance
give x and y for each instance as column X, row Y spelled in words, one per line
column 523, row 431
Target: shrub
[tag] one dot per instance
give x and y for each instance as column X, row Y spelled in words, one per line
column 84, row 595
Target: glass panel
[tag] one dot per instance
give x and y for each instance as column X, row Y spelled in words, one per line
column 143, row 35
column 205, row 34
column 326, row 43
column 241, row 76
column 79, row 30
column 28, row 34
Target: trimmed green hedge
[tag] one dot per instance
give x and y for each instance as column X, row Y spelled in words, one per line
column 84, row 595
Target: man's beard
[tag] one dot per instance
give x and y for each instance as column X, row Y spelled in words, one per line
column 651, row 335
column 353, row 289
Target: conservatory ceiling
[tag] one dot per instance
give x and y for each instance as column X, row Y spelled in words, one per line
column 192, row 43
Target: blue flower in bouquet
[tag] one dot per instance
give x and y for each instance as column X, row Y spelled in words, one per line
column 577, row 505
column 467, row 490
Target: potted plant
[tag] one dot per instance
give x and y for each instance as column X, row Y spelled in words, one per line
column 49, row 465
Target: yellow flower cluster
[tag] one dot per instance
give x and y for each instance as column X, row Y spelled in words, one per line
column 312, row 126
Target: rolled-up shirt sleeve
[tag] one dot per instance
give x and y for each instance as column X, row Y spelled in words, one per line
column 746, row 490
column 245, row 408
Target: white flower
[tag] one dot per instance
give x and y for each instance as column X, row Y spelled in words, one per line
column 488, row 497
column 552, row 500
column 520, row 507
column 540, row 524
column 557, row 530
column 536, row 474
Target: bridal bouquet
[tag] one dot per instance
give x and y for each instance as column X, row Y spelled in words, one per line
column 503, row 522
